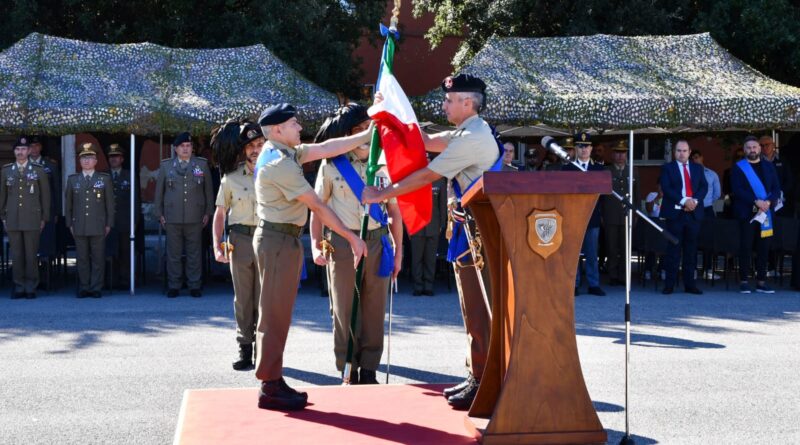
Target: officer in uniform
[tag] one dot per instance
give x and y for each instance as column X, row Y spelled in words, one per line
column 183, row 205
column 382, row 263
column 425, row 242
column 283, row 199
column 237, row 199
column 614, row 213
column 89, row 214
column 48, row 244
column 466, row 153
column 24, row 209
column 120, row 232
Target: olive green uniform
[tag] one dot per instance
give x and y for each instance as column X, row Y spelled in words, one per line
column 471, row 151
column 279, row 251
column 333, row 190
column 122, row 223
column 89, row 209
column 24, row 205
column 237, row 195
column 613, row 213
column 183, row 196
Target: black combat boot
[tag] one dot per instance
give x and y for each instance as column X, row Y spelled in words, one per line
column 367, row 377
column 453, row 390
column 245, row 357
column 463, row 400
column 276, row 394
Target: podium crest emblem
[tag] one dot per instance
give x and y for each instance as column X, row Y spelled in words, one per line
column 544, row 232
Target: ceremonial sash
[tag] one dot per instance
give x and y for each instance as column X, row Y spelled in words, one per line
column 356, row 184
column 760, row 192
column 458, row 241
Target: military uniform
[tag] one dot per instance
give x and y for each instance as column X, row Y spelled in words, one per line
column 89, row 209
column 183, row 197
column 614, row 222
column 368, row 340
column 471, row 151
column 237, row 195
column 425, row 242
column 120, row 233
column 48, row 244
column 24, row 205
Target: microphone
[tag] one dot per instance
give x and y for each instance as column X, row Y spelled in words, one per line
column 550, row 144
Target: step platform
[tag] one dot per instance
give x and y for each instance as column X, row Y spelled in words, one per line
column 353, row 415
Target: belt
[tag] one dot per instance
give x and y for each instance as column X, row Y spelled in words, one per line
column 285, row 228
column 371, row 234
column 243, row 229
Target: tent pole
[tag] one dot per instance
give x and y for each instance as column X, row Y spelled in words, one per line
column 132, row 233
column 627, row 439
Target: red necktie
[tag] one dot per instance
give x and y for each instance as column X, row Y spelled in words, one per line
column 687, row 180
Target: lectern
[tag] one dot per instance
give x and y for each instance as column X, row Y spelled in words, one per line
column 532, row 226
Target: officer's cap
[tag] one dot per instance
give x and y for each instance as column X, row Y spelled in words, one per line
column 621, row 146
column 276, row 114
column 22, row 141
column 114, row 150
column 87, row 149
column 583, row 139
column 569, row 143
column 249, row 132
column 181, row 138
column 463, row 83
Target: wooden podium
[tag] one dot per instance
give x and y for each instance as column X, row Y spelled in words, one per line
column 532, row 226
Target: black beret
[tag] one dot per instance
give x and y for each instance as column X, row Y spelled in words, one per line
column 583, row 139
column 249, row 132
column 181, row 138
column 22, row 141
column 276, row 114
column 463, row 83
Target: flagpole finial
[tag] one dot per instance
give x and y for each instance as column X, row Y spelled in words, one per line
column 395, row 15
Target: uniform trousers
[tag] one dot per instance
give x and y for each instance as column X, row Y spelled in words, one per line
column 246, row 286
column 122, row 254
column 477, row 319
column 589, row 251
column 423, row 261
column 91, row 252
column 280, row 262
column 24, row 246
column 615, row 249
column 751, row 240
column 368, row 337
column 190, row 237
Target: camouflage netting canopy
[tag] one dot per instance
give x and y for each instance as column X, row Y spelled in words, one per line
column 56, row 86
column 612, row 82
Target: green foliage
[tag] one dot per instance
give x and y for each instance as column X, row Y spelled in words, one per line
column 315, row 37
column 763, row 33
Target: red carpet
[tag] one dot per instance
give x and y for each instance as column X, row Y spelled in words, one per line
column 370, row 414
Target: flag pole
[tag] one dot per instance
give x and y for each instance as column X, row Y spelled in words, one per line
column 372, row 168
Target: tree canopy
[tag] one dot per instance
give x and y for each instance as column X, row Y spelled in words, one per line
column 763, row 33
column 315, row 37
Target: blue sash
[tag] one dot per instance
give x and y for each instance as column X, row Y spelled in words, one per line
column 760, row 192
column 356, row 184
column 458, row 241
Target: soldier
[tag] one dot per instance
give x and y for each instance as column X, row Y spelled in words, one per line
column 614, row 214
column 89, row 215
column 335, row 187
column 466, row 153
column 120, row 232
column 48, row 244
column 425, row 242
column 24, row 209
column 237, row 199
column 183, row 205
column 284, row 197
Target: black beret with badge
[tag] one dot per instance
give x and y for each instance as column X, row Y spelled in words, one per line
column 182, row 138
column 22, row 141
column 276, row 114
column 463, row 83
column 249, row 132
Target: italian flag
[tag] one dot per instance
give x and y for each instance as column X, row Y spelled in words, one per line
column 402, row 143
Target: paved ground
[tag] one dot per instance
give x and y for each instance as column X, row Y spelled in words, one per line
column 720, row 368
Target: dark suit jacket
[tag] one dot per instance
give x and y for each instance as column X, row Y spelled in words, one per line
column 743, row 196
column 594, row 221
column 672, row 184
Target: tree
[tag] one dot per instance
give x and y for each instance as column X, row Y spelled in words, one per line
column 315, row 37
column 763, row 33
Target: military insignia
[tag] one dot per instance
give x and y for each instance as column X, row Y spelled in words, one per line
column 448, row 82
column 252, row 134
column 23, row 141
column 99, row 184
column 32, row 176
column 544, row 232
column 197, row 172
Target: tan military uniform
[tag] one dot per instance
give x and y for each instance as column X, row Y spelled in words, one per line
column 183, row 196
column 614, row 221
column 279, row 252
column 24, row 205
column 238, row 196
column 89, row 209
column 471, row 151
column 333, row 190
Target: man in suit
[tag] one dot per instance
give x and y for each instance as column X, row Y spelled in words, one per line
column 183, row 205
column 583, row 148
column 756, row 190
column 24, row 209
column 89, row 215
column 684, row 186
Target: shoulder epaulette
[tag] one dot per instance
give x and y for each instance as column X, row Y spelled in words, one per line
column 36, row 163
column 74, row 174
column 201, row 158
column 8, row 165
column 103, row 174
column 166, row 160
